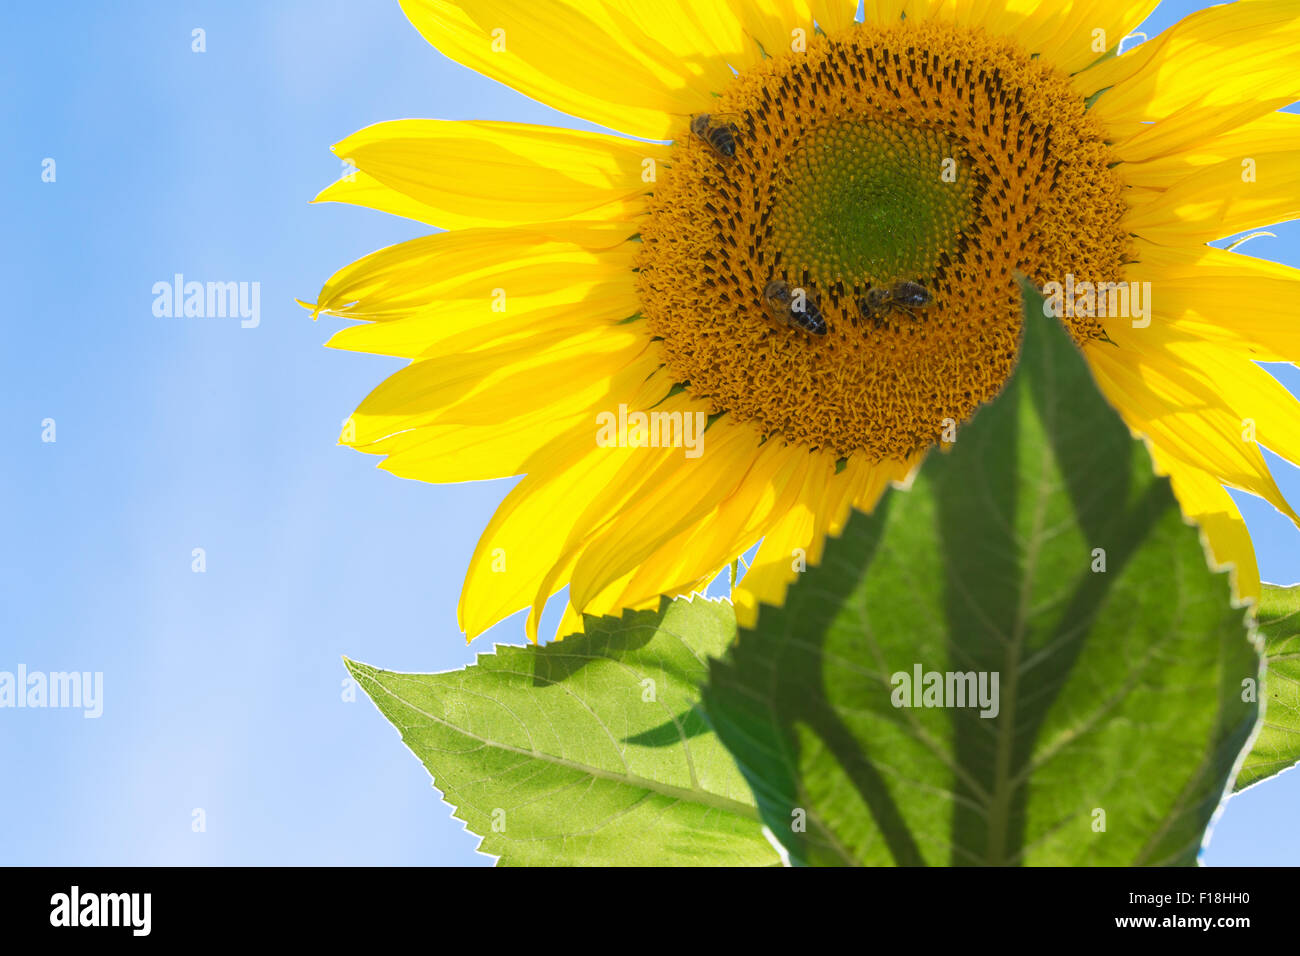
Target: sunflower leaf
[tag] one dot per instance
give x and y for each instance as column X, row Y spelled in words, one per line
column 1041, row 549
column 588, row 751
column 1277, row 747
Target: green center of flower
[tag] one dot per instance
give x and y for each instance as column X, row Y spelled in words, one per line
column 870, row 202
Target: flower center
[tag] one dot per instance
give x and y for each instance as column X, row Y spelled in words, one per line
column 892, row 180
column 867, row 202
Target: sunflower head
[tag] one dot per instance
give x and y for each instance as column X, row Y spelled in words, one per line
column 933, row 157
column 811, row 246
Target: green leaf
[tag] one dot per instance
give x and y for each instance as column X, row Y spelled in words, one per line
column 587, row 751
column 1277, row 746
column 1120, row 692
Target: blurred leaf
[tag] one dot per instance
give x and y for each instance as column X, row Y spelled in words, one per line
column 1119, row 698
column 586, row 751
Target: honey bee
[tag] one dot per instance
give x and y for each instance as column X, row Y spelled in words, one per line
column 721, row 137
column 798, row 307
column 903, row 296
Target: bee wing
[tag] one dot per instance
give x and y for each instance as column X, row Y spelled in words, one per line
column 715, row 117
column 735, row 120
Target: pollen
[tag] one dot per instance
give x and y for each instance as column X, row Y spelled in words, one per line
column 928, row 154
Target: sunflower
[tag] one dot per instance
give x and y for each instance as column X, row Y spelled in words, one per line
column 774, row 151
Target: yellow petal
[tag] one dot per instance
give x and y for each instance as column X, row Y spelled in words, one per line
column 1072, row 36
column 1214, row 296
column 834, row 15
column 773, row 487
column 702, row 40
column 1225, row 55
column 1255, row 397
column 1205, row 501
column 1069, row 36
column 480, row 173
column 872, row 478
column 1159, row 263
column 798, row 539
column 571, row 623
column 475, row 387
column 457, row 281
column 1184, row 414
column 696, row 553
column 1222, row 200
column 785, row 550
column 771, row 24
column 890, row 11
column 1271, row 133
column 680, row 491
column 571, row 489
column 517, row 428
column 633, row 67
column 609, row 603
column 1191, row 126
column 469, row 324
column 360, row 189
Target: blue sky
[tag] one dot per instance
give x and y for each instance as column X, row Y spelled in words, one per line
column 223, row 689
